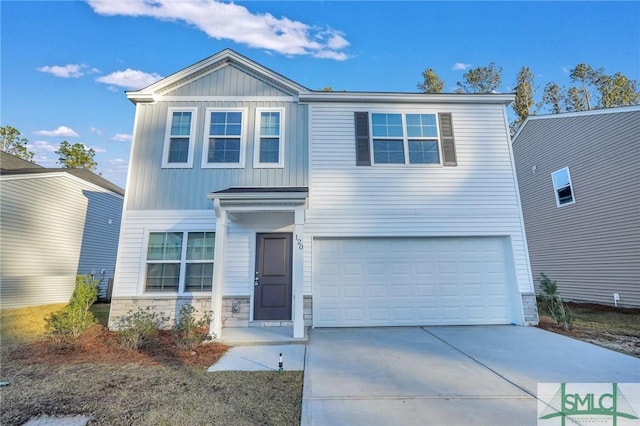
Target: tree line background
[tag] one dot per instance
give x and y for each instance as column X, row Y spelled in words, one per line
column 591, row 88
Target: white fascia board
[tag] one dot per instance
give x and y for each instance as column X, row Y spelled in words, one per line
column 387, row 97
column 223, row 58
column 258, row 196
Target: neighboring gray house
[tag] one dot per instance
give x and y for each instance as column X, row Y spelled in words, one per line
column 54, row 224
column 579, row 178
column 271, row 204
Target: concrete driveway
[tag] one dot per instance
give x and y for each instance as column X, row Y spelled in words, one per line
column 480, row 375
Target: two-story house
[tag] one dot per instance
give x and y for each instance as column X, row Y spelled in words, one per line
column 579, row 177
column 269, row 204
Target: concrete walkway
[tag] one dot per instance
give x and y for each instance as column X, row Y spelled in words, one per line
column 445, row 375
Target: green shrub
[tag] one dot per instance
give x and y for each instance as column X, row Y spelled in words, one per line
column 65, row 326
column 189, row 332
column 136, row 329
column 553, row 304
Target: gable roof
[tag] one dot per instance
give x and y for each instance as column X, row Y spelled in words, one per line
column 10, row 165
column 571, row 116
column 11, row 162
column 208, row 65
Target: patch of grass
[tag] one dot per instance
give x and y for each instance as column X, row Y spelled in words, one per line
column 610, row 320
column 150, row 395
column 101, row 312
column 23, row 325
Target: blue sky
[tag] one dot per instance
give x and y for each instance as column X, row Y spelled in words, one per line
column 65, row 64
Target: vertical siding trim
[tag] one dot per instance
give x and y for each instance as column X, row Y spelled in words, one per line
column 448, row 140
column 363, row 154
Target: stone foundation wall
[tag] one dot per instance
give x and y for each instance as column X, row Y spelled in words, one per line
column 308, row 311
column 530, row 308
column 235, row 310
column 168, row 306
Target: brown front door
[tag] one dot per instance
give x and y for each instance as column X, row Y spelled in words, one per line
column 272, row 285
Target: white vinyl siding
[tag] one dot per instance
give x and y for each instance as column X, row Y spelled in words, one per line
column 476, row 198
column 179, row 142
column 52, row 227
column 137, row 225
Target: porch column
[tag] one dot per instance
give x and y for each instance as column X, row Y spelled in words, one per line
column 218, row 269
column 298, row 274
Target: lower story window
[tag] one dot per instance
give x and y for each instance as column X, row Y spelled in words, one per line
column 180, row 262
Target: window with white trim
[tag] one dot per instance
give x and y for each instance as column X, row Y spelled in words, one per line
column 562, row 187
column 402, row 138
column 269, row 143
column 179, row 138
column 179, row 262
column 224, row 138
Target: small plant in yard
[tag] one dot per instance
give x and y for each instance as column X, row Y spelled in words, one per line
column 189, row 332
column 137, row 329
column 553, row 303
column 65, row 326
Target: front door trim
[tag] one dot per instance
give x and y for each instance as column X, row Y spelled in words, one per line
column 272, row 289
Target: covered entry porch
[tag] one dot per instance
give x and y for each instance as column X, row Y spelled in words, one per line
column 259, row 255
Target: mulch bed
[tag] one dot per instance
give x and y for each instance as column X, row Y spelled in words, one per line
column 99, row 345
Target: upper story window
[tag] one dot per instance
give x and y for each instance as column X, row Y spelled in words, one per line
column 179, row 138
column 562, row 187
column 269, row 143
column 224, row 138
column 405, row 138
column 180, row 262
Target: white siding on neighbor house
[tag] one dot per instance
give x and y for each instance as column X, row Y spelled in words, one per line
column 478, row 197
column 136, row 225
column 54, row 226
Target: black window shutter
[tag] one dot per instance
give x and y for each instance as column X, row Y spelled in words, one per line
column 363, row 154
column 447, row 139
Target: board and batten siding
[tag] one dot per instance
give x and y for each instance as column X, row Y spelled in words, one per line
column 591, row 248
column 478, row 197
column 151, row 187
column 54, row 226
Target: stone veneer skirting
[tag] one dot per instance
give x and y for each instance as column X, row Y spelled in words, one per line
column 235, row 309
column 530, row 307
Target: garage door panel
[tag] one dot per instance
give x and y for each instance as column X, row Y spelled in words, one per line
column 409, row 281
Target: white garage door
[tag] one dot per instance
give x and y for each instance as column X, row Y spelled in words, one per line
column 410, row 281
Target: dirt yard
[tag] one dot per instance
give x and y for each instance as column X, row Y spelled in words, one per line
column 158, row 385
column 607, row 326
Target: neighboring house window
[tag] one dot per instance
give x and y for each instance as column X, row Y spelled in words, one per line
column 405, row 139
column 269, row 141
column 562, row 187
column 180, row 262
column 224, row 138
column 179, row 138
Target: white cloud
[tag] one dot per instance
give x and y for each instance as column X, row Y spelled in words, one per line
column 62, row 131
column 234, row 22
column 97, row 149
column 458, row 66
column 67, row 71
column 565, row 70
column 129, row 79
column 121, row 137
column 41, row 147
column 96, row 131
